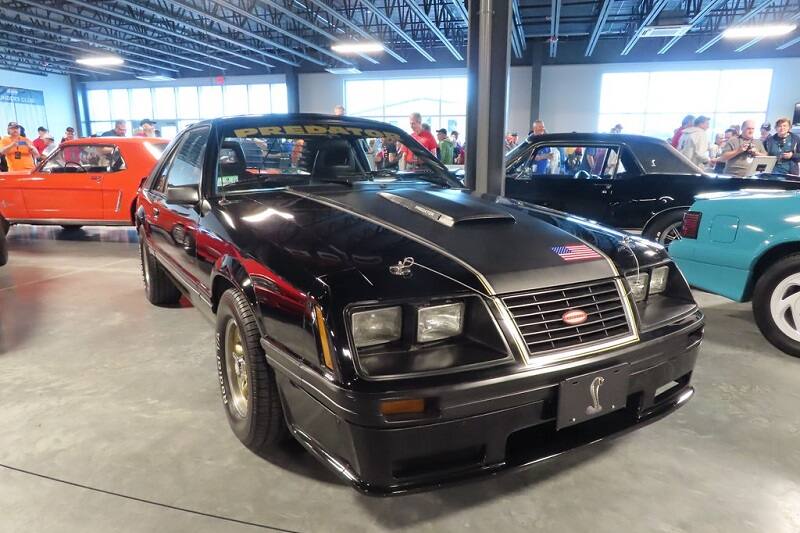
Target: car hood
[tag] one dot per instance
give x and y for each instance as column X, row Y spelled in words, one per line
column 456, row 238
column 748, row 195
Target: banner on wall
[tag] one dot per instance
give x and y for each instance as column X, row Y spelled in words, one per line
column 13, row 95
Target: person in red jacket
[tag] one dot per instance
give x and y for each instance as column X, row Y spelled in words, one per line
column 425, row 138
column 39, row 142
column 688, row 122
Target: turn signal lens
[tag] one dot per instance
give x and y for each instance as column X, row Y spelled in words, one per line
column 322, row 329
column 691, row 224
column 658, row 279
column 403, row 407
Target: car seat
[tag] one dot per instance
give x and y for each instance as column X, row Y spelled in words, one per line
column 334, row 157
column 236, row 165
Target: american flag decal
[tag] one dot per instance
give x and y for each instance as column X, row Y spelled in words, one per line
column 576, row 252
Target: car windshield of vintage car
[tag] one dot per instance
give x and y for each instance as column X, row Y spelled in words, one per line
column 569, row 161
column 85, row 158
column 249, row 159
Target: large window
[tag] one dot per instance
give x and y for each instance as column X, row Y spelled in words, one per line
column 442, row 102
column 174, row 108
column 653, row 103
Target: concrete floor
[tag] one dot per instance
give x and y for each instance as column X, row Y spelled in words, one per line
column 111, row 421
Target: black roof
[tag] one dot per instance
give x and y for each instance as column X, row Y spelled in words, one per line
column 299, row 119
column 594, row 137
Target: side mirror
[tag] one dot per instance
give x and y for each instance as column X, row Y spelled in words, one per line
column 183, row 195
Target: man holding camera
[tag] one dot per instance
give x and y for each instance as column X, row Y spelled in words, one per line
column 740, row 150
column 19, row 151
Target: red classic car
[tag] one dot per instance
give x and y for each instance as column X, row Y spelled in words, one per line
column 90, row 181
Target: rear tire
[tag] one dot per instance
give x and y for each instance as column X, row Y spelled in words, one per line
column 776, row 304
column 249, row 391
column 4, row 226
column 665, row 228
column 158, row 287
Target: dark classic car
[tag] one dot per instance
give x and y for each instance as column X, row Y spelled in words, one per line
column 406, row 331
column 630, row 182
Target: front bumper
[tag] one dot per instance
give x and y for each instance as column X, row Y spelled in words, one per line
column 482, row 427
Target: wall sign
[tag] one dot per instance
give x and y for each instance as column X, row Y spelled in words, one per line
column 13, row 95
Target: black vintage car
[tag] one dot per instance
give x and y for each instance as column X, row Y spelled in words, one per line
column 626, row 181
column 405, row 331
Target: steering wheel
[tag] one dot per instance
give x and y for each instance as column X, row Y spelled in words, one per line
column 582, row 175
column 75, row 163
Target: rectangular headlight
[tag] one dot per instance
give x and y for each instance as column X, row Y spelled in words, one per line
column 638, row 284
column 439, row 321
column 377, row 326
column 658, row 279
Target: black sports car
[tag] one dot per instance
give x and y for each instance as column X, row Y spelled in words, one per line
column 626, row 181
column 405, row 331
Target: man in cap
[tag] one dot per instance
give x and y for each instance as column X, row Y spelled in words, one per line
column 148, row 128
column 39, row 141
column 19, row 151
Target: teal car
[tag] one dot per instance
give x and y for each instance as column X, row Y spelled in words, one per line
column 746, row 246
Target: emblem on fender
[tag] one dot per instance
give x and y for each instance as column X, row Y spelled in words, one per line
column 402, row 268
column 573, row 317
column 594, row 392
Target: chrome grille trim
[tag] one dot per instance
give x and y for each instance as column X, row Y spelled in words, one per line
column 537, row 316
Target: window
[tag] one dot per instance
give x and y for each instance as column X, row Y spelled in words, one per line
column 442, row 102
column 654, row 103
column 87, row 158
column 175, row 108
column 578, row 162
column 187, row 166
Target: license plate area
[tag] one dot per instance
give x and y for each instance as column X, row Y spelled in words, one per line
column 591, row 395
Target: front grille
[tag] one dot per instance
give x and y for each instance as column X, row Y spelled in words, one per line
column 538, row 316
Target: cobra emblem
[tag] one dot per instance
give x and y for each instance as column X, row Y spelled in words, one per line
column 594, row 392
column 402, row 268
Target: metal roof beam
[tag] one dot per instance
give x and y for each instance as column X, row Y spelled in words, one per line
column 764, row 4
column 518, row 26
column 95, row 22
column 555, row 16
column 657, row 8
column 62, row 56
column 120, row 16
column 36, row 63
column 221, row 37
column 308, row 24
column 130, row 62
column 354, row 27
column 397, row 29
column 602, row 16
column 461, row 10
column 434, row 29
column 700, row 15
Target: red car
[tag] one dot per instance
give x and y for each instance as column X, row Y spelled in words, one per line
column 90, row 181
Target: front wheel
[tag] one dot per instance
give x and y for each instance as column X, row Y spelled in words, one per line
column 249, row 392
column 776, row 304
column 666, row 228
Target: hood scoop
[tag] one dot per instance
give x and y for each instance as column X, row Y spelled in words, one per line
column 447, row 207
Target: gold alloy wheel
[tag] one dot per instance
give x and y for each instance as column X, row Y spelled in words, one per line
column 236, row 369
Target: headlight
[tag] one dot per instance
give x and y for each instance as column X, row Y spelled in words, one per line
column 658, row 279
column 439, row 322
column 638, row 284
column 377, row 326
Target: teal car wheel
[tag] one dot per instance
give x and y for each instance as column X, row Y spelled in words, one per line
column 776, row 304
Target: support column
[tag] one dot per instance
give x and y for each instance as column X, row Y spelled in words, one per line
column 80, row 107
column 488, row 60
column 293, row 91
column 537, row 58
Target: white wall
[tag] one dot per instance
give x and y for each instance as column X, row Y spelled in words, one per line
column 320, row 92
column 570, row 96
column 57, row 99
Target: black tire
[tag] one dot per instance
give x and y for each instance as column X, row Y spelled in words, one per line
column 259, row 422
column 71, row 227
column 766, row 321
column 661, row 230
column 4, row 226
column 158, row 287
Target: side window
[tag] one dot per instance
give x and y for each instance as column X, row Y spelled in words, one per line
column 186, row 167
column 85, row 158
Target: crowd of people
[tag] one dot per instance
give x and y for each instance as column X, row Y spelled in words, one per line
column 18, row 152
column 733, row 151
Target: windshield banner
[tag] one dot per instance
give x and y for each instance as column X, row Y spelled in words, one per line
column 314, row 129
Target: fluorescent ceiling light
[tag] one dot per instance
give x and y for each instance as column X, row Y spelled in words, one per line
column 100, row 61
column 155, row 77
column 666, row 31
column 357, row 47
column 751, row 32
column 343, row 70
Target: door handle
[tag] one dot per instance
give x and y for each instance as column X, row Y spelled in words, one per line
column 98, row 179
column 155, row 212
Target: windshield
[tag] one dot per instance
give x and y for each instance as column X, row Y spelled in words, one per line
column 281, row 156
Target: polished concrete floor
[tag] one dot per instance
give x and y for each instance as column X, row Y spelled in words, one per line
column 110, row 420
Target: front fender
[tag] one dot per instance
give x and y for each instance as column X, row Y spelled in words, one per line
column 229, row 272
